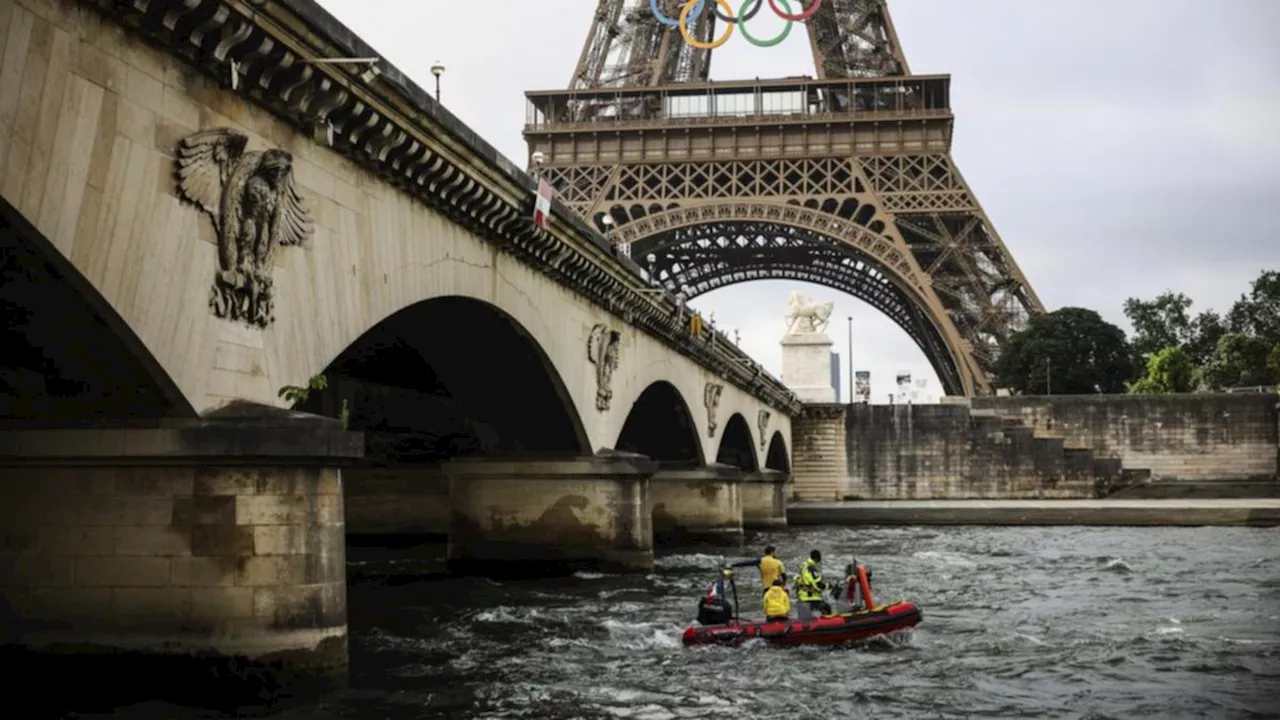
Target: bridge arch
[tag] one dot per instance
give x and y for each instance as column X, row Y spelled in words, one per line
column 453, row 376
column 709, row 246
column 778, row 458
column 661, row 426
column 66, row 355
column 736, row 446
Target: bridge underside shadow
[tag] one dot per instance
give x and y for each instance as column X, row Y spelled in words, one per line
column 471, row 435
column 66, row 357
column 713, row 255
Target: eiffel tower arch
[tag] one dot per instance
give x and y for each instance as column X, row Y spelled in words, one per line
column 844, row 179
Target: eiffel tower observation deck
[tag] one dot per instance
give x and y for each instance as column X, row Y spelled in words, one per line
column 845, row 179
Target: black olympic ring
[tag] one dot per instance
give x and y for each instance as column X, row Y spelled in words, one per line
column 716, row 7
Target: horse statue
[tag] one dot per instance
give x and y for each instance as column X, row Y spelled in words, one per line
column 806, row 316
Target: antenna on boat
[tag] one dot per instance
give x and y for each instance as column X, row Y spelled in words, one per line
column 727, row 572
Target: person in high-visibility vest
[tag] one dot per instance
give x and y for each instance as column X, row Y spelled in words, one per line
column 810, row 587
column 695, row 324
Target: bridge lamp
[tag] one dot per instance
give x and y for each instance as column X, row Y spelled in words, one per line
column 651, row 259
column 437, row 69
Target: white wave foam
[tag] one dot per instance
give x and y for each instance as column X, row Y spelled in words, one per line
column 644, row 712
column 946, row 558
column 695, row 560
column 643, row 636
column 505, row 614
column 1117, row 565
column 584, row 575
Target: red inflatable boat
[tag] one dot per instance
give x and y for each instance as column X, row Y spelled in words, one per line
column 829, row 630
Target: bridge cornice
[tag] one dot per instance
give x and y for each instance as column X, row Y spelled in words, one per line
column 395, row 129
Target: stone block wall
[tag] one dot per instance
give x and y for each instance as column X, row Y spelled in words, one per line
column 942, row 451
column 819, row 456
column 1179, row 438
column 1039, row 447
column 235, row 561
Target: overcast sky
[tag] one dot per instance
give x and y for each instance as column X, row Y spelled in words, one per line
column 1122, row 147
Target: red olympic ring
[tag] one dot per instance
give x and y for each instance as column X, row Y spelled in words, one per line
column 799, row 17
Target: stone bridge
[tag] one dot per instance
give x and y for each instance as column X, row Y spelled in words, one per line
column 241, row 286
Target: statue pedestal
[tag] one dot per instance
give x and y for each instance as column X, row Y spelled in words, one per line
column 806, row 366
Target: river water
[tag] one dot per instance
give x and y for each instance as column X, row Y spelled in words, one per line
column 1018, row 623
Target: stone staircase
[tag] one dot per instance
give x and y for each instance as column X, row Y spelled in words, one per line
column 943, row 452
column 1062, row 471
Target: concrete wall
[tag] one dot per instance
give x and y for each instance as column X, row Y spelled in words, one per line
column 89, row 121
column 940, row 451
column 1033, row 447
column 1197, row 438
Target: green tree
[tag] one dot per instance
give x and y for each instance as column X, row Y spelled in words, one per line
column 1081, row 352
column 1206, row 330
column 1167, row 321
column 1160, row 323
column 1258, row 312
column 1239, row 361
column 1168, row 371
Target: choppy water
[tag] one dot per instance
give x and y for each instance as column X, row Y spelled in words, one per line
column 1018, row 622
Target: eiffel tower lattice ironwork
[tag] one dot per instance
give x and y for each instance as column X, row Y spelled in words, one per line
column 845, row 179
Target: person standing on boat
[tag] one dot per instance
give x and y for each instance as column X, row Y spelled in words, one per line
column 770, row 567
column 854, row 595
column 810, row 586
column 777, row 602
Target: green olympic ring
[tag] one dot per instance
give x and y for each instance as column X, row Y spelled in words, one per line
column 742, row 25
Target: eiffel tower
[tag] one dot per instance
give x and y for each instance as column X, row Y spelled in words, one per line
column 845, row 180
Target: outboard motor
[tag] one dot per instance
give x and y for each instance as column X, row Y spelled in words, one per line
column 714, row 612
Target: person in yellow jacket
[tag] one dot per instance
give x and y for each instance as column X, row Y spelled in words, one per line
column 770, row 567
column 777, row 602
column 810, row 586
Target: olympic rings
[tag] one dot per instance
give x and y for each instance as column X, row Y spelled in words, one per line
column 765, row 43
column 800, row 17
column 691, row 9
column 684, row 25
column 653, row 7
column 743, row 17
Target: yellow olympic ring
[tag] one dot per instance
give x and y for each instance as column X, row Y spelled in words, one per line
column 684, row 25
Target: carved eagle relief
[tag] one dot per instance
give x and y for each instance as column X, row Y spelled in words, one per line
column 255, row 209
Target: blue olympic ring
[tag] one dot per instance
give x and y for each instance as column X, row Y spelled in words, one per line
column 653, row 6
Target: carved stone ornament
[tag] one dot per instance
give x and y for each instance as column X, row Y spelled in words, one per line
column 762, row 422
column 711, row 398
column 602, row 351
column 251, row 199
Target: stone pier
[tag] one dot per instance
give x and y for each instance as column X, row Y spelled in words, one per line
column 764, row 500
column 536, row 517
column 699, row 505
column 406, row 500
column 174, row 555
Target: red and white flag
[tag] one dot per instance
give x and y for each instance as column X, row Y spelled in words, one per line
column 542, row 207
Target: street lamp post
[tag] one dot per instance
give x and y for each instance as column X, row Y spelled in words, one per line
column 652, row 259
column 850, row 359
column 437, row 69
